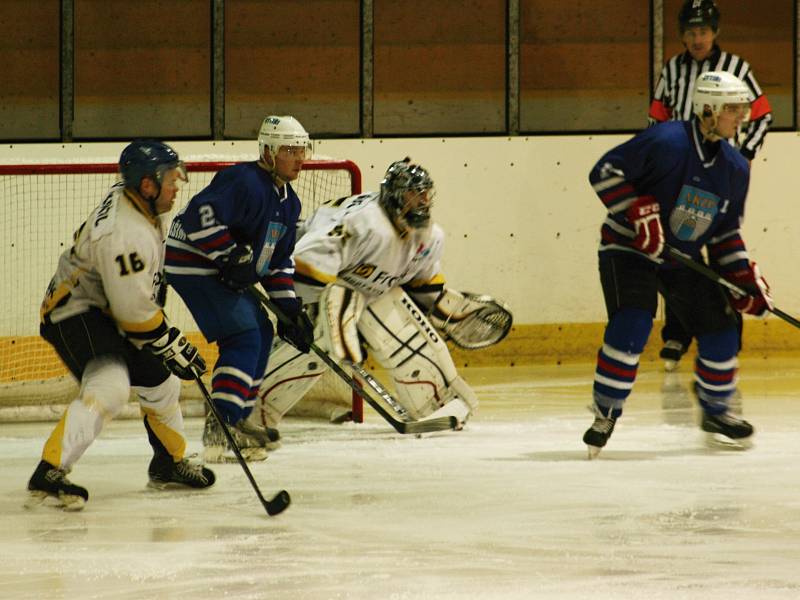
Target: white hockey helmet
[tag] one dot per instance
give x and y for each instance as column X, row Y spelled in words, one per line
column 715, row 89
column 282, row 131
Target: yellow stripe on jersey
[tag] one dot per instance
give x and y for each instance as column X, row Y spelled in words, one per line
column 437, row 279
column 305, row 269
column 151, row 324
column 64, row 289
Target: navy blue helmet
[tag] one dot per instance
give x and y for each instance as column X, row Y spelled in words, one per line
column 146, row 158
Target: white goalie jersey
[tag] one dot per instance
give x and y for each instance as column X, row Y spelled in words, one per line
column 354, row 243
column 351, row 264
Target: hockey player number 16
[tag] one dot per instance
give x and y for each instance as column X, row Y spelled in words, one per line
column 136, row 264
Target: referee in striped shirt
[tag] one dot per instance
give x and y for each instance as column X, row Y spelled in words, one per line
column 699, row 26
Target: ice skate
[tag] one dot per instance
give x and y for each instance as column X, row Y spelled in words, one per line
column 727, row 431
column 165, row 473
column 672, row 352
column 48, row 482
column 597, row 435
column 254, row 442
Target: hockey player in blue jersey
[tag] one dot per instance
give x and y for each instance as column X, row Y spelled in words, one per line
column 238, row 231
column 680, row 183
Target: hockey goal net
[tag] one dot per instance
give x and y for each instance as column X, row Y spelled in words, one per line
column 42, row 205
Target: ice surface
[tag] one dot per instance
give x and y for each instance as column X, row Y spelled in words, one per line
column 508, row 508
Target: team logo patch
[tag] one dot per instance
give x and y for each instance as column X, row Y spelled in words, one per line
column 274, row 233
column 693, row 213
column 364, row 270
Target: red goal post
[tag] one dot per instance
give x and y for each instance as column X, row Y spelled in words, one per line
column 42, row 204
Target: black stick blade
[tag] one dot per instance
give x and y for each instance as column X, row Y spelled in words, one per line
column 278, row 504
column 431, row 425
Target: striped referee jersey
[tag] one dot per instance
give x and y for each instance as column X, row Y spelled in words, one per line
column 673, row 97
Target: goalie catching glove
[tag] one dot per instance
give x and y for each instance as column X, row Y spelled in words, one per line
column 180, row 357
column 757, row 301
column 470, row 321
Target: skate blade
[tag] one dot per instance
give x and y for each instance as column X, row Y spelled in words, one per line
column 717, row 441
column 593, row 451
column 221, row 455
column 65, row 502
column 173, row 485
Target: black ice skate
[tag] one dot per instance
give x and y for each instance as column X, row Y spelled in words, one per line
column 727, row 431
column 254, row 442
column 597, row 435
column 48, row 481
column 672, row 352
column 165, row 473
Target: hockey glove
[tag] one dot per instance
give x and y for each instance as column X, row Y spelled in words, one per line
column 298, row 331
column 643, row 215
column 180, row 357
column 236, row 271
column 758, row 301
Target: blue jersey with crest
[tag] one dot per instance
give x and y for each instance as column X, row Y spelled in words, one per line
column 241, row 205
column 700, row 188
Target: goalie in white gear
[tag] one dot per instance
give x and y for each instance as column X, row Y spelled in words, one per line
column 368, row 270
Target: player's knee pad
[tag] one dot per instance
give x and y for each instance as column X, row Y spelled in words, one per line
column 289, row 377
column 105, row 386
column 404, row 342
column 628, row 330
column 339, row 311
column 719, row 346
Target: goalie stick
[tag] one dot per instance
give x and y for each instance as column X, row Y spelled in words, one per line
column 281, row 501
column 401, row 426
column 714, row 276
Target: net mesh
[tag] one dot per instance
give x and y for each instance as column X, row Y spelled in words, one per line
column 42, row 205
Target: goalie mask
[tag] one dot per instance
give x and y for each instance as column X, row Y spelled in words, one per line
column 407, row 194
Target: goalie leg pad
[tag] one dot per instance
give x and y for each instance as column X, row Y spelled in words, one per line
column 340, row 309
column 289, row 377
column 404, row 342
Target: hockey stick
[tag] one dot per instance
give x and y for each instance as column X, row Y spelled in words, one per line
column 282, row 499
column 404, row 426
column 714, row 276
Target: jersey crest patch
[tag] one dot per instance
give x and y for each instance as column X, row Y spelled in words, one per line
column 274, row 233
column 693, row 214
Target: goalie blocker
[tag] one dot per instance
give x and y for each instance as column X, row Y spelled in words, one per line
column 402, row 340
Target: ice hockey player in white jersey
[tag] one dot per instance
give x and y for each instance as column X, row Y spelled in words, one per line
column 368, row 270
column 103, row 315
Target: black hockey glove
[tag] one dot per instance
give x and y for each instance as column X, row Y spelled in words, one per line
column 298, row 331
column 178, row 354
column 236, row 271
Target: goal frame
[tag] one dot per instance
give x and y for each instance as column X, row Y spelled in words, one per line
column 193, row 166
